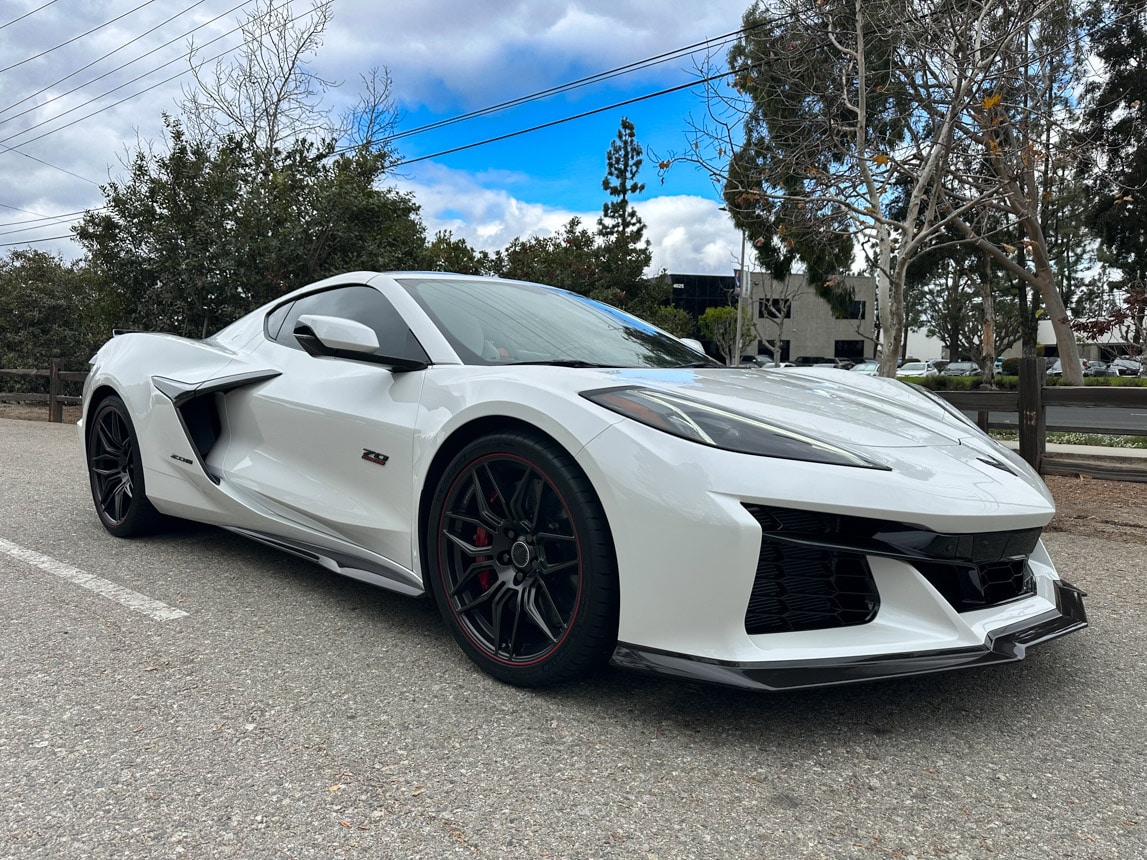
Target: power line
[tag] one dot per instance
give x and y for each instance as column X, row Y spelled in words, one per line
column 77, row 38
column 44, row 217
column 555, row 122
column 29, row 211
column 26, row 14
column 122, row 65
column 56, row 223
column 638, row 65
column 49, row 164
column 125, row 84
column 33, row 241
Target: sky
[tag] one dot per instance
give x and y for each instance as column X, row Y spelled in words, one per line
column 69, row 117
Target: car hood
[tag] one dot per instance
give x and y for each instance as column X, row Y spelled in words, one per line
column 834, row 405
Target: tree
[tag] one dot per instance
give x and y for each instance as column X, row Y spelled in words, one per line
column 45, row 312
column 444, row 253
column 268, row 98
column 1116, row 121
column 852, row 112
column 719, row 325
column 199, row 235
column 570, row 259
column 620, row 229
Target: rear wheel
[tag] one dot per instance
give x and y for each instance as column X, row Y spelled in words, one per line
column 522, row 562
column 116, row 472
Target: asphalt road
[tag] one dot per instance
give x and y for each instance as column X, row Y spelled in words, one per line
column 1132, row 422
column 294, row 714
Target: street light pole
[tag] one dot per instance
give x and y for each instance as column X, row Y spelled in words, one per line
column 740, row 304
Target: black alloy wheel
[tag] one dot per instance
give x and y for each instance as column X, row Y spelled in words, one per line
column 523, row 567
column 116, row 472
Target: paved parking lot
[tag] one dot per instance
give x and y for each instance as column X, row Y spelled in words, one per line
column 290, row 713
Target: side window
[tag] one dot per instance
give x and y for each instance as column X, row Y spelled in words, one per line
column 275, row 320
column 362, row 304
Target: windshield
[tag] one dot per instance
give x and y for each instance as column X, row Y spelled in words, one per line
column 489, row 321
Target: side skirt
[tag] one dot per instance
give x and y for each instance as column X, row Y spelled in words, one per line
column 392, row 578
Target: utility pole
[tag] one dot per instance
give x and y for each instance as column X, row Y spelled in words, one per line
column 740, row 305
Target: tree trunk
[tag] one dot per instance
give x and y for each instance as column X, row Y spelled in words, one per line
column 988, row 352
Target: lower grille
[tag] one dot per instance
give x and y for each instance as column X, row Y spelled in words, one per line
column 803, row 588
column 813, row 571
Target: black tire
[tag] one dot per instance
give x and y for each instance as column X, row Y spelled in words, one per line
column 116, row 472
column 540, row 606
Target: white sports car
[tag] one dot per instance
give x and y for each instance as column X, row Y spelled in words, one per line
column 572, row 485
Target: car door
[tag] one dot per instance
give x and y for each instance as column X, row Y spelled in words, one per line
column 328, row 444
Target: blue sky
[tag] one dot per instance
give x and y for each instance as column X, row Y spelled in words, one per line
column 445, row 57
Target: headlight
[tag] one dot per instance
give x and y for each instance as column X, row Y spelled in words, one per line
column 721, row 428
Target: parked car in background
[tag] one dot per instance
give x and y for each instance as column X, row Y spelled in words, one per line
column 1056, row 369
column 1099, row 368
column 962, row 368
column 1129, row 366
column 821, row 361
column 868, row 368
column 916, row 368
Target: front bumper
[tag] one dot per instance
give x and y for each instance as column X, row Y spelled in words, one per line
column 1003, row 645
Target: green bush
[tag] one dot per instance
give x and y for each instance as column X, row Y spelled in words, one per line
column 1010, row 367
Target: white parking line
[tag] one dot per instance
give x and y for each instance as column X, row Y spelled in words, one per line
column 155, row 609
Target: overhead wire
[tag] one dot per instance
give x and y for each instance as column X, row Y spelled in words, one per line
column 121, row 86
column 41, row 217
column 77, row 38
column 628, row 68
column 562, row 120
column 27, row 15
column 59, row 222
column 18, row 209
column 49, row 164
column 88, row 83
column 33, row 241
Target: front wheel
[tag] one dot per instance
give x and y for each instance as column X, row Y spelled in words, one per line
column 116, row 472
column 521, row 561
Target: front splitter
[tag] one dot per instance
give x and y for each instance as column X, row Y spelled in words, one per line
column 1002, row 646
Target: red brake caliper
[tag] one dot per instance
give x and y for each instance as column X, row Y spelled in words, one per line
column 485, row 577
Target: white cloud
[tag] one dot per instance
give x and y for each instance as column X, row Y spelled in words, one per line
column 690, row 235
column 444, row 55
column 686, row 234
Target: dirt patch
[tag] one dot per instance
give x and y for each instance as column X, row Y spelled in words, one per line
column 1114, row 510
column 36, row 412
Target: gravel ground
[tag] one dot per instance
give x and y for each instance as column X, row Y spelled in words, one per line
column 295, row 714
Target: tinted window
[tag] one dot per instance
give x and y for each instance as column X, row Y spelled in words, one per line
column 362, row 304
column 489, row 321
column 275, row 320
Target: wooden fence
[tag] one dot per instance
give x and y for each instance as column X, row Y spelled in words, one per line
column 55, row 398
column 1028, row 401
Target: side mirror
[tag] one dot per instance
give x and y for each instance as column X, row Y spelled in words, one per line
column 693, row 343
column 337, row 337
column 322, row 335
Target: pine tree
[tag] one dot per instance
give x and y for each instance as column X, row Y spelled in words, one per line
column 620, row 229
